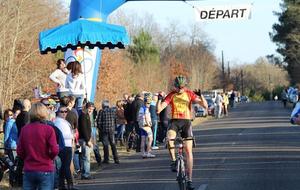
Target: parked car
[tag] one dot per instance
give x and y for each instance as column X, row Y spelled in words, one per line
column 199, row 111
column 211, row 106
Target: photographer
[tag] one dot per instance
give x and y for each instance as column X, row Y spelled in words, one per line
column 295, row 116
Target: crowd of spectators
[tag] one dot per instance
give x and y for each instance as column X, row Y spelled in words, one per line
column 54, row 140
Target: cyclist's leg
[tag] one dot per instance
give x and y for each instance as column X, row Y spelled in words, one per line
column 187, row 132
column 171, row 134
column 189, row 158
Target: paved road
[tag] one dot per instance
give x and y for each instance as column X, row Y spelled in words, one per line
column 254, row 148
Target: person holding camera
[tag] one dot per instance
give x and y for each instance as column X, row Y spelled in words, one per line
column 295, row 115
column 121, row 122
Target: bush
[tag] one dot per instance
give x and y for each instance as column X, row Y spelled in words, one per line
column 266, row 95
column 257, row 98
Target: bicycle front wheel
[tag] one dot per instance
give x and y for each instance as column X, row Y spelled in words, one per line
column 181, row 177
column 1, row 173
column 182, row 185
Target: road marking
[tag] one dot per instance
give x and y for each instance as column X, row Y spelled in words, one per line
column 202, row 187
column 223, row 160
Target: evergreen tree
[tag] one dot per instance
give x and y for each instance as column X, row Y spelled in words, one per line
column 286, row 34
column 143, row 49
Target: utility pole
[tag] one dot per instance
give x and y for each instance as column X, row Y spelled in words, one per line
column 228, row 70
column 270, row 87
column 242, row 81
column 223, row 73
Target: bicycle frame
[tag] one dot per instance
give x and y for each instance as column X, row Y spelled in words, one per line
column 181, row 171
column 181, row 175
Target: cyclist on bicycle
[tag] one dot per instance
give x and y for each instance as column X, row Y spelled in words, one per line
column 181, row 100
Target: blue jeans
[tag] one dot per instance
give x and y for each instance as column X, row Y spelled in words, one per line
column 57, row 163
column 95, row 147
column 78, row 102
column 76, row 162
column 65, row 172
column 38, row 180
column 120, row 131
column 109, row 139
column 97, row 154
column 94, row 134
column 85, row 160
column 154, row 125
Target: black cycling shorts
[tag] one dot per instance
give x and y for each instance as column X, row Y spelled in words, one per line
column 182, row 127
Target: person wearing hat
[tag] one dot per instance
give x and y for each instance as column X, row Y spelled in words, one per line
column 106, row 122
column 144, row 121
column 85, row 131
column 51, row 106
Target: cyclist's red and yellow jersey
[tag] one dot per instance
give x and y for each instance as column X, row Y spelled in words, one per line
column 181, row 103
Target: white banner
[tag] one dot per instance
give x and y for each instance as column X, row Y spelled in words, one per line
column 88, row 61
column 226, row 12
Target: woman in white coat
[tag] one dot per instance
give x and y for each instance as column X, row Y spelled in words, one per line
column 75, row 83
column 59, row 77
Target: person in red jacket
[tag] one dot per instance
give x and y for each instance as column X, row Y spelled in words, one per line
column 38, row 147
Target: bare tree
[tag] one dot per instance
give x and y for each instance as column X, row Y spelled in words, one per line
column 260, row 77
column 21, row 21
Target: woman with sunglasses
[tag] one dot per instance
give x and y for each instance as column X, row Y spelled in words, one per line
column 66, row 153
column 11, row 135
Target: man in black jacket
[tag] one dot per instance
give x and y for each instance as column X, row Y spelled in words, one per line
column 23, row 118
column 136, row 106
column 128, row 116
column 106, row 122
column 85, row 131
